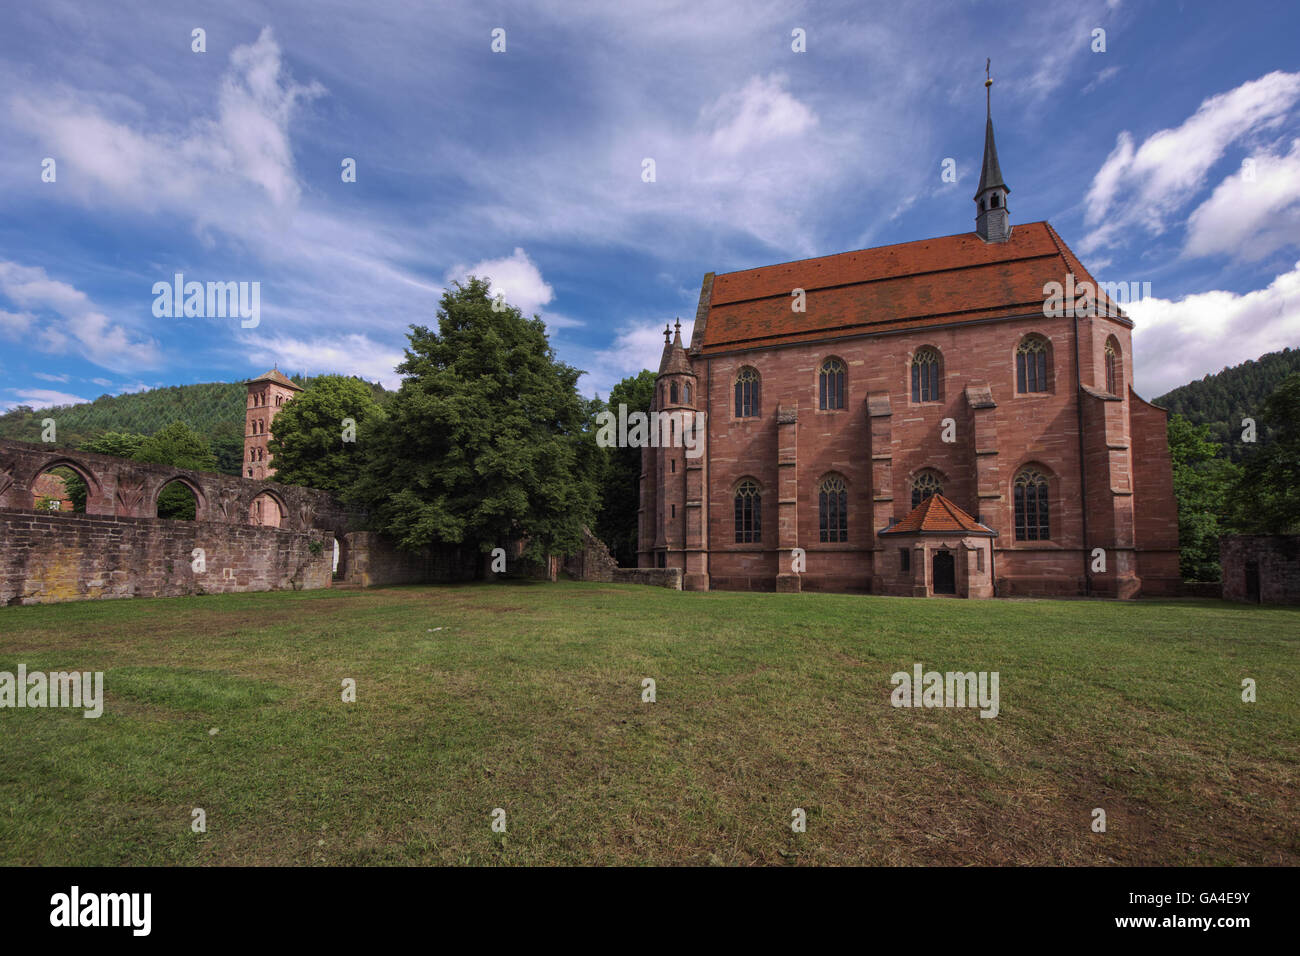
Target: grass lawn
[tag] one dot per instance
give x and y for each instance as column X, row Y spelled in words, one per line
column 529, row 699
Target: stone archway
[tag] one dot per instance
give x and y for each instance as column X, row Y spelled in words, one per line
column 267, row 510
column 160, row 498
column 94, row 489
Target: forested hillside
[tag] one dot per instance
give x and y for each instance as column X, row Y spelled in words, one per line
column 1222, row 400
column 213, row 409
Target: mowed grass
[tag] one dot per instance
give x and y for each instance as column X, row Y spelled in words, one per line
column 529, row 699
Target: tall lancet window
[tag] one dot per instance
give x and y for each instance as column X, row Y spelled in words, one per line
column 749, row 512
column 830, row 385
column 1114, row 372
column 925, row 375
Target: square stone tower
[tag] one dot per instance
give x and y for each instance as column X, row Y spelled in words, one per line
column 267, row 394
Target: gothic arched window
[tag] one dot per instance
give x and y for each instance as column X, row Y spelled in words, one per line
column 1030, row 492
column 688, row 393
column 748, row 512
column 747, row 393
column 833, row 509
column 925, row 375
column 1031, row 364
column 672, row 394
column 1114, row 371
column 830, row 385
column 925, row 484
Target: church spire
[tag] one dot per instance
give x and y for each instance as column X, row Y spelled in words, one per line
column 991, row 221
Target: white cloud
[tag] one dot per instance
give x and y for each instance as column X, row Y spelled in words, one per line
column 754, row 116
column 349, row 354
column 102, row 382
column 1178, row 341
column 70, row 318
column 14, row 324
column 42, row 398
column 47, row 377
column 636, row 346
column 1246, row 217
column 210, row 163
column 1105, row 76
column 516, row 277
column 1141, row 187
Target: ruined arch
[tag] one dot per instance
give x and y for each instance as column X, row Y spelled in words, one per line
column 94, row 489
column 159, row 503
column 267, row 509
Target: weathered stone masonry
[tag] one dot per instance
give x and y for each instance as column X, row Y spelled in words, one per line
column 120, row 548
column 71, row 557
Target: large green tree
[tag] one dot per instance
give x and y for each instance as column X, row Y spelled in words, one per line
column 487, row 441
column 1203, row 481
column 1268, row 494
column 619, row 492
column 323, row 438
column 180, row 446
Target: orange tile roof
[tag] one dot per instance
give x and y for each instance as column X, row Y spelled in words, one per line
column 936, row 514
column 904, row 286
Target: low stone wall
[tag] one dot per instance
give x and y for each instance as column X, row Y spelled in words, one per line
column 368, row 560
column 593, row 563
column 655, row 577
column 1261, row 568
column 1195, row 589
column 71, row 557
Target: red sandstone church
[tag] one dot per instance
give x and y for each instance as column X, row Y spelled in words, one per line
column 922, row 428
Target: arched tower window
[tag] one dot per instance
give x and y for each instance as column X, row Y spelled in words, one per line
column 1114, row 370
column 833, row 509
column 1031, row 364
column 748, row 512
column 747, row 393
column 925, row 375
column 830, row 385
column 688, row 393
column 672, row 394
column 925, row 484
column 1030, row 492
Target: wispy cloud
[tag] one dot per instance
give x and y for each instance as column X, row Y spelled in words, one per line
column 42, row 398
column 68, row 318
column 1178, row 340
column 1141, row 187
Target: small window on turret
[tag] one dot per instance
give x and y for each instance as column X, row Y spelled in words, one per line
column 995, row 201
column 672, row 394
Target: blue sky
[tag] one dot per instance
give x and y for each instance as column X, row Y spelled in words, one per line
column 1173, row 157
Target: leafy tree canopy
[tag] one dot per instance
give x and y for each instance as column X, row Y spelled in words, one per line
column 487, row 441
column 1203, row 484
column 323, row 437
column 1269, row 491
column 619, row 492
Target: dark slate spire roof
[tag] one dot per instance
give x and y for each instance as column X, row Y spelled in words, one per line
column 991, row 175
